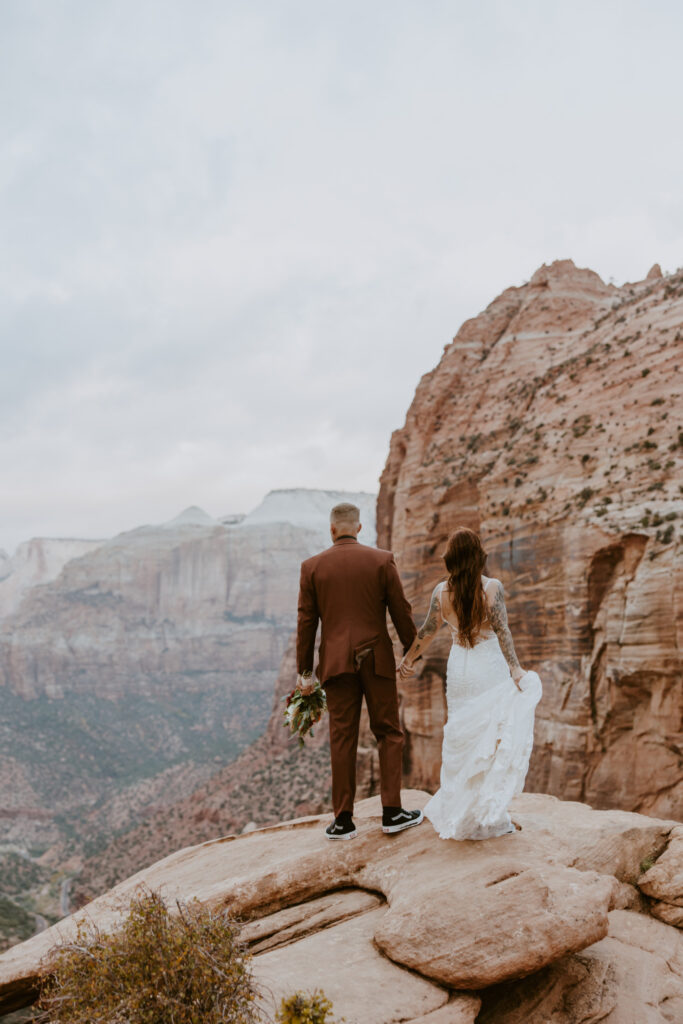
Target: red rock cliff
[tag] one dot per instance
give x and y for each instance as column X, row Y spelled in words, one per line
column 552, row 425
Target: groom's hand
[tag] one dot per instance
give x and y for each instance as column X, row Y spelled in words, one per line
column 305, row 683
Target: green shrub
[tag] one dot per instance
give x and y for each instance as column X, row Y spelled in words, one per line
column 305, row 1008
column 581, row 425
column 157, row 968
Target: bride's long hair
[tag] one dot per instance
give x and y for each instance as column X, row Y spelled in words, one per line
column 465, row 559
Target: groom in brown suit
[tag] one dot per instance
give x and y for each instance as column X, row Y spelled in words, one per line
column 349, row 587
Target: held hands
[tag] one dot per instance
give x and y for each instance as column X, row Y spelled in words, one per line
column 406, row 669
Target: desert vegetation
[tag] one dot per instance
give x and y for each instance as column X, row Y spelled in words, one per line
column 183, row 968
column 188, row 966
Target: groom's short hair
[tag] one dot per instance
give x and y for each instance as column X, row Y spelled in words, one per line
column 345, row 512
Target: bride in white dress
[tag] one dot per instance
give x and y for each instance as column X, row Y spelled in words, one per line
column 491, row 700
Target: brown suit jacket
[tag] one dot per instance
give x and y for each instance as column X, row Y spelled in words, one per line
column 349, row 587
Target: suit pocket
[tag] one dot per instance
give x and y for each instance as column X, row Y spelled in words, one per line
column 362, row 650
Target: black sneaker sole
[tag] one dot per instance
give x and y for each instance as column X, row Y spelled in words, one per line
column 346, row 835
column 390, row 829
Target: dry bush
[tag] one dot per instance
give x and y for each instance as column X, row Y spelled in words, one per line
column 305, row 1008
column 157, row 968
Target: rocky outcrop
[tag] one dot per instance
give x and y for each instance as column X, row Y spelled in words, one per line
column 663, row 881
column 414, row 928
column 549, row 425
column 632, row 976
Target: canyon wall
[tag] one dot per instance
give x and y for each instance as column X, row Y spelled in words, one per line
column 552, row 426
column 156, row 648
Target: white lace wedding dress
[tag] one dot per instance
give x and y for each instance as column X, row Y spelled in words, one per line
column 487, row 740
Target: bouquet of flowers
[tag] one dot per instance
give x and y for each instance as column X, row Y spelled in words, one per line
column 303, row 711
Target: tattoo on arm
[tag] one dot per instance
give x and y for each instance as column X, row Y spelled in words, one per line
column 428, row 629
column 431, row 623
column 499, row 620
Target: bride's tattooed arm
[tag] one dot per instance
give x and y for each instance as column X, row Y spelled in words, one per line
column 425, row 635
column 498, row 617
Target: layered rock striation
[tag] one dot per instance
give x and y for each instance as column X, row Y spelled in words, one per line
column 551, row 426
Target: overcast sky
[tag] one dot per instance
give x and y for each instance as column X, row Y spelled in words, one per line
column 234, row 235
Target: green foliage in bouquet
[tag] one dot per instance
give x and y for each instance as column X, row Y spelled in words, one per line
column 303, row 712
column 305, row 1008
column 157, row 968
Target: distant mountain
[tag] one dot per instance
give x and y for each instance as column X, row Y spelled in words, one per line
column 310, row 509
column 193, row 515
column 36, row 561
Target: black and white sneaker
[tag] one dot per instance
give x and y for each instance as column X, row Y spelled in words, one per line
column 341, row 828
column 395, row 819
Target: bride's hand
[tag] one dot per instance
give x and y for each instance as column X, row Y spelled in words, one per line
column 517, row 675
column 406, row 668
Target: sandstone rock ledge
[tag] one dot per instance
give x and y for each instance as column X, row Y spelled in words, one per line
column 547, row 924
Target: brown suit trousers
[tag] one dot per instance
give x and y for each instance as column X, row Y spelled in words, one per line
column 349, row 588
column 344, row 699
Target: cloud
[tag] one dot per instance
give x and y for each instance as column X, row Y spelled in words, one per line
column 235, row 235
